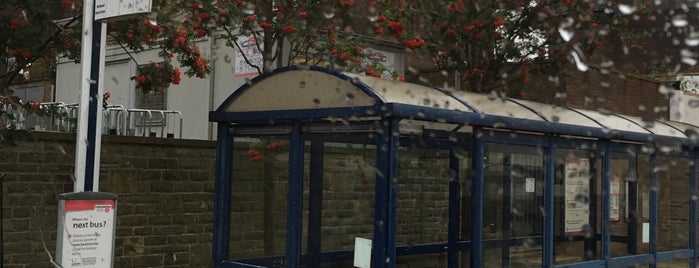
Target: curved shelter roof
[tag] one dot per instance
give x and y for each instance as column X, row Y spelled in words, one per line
column 313, row 93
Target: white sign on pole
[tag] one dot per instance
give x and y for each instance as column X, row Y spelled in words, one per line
column 577, row 195
column 116, row 10
column 86, row 233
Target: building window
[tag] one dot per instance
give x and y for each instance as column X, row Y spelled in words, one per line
column 151, row 100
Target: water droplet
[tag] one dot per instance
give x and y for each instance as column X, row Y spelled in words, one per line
column 372, row 14
column 249, row 8
column 529, row 242
column 565, row 29
column 587, row 231
column 604, row 111
column 153, row 18
column 580, row 61
column 492, row 96
column 626, row 9
column 679, row 20
column 328, row 12
column 582, row 198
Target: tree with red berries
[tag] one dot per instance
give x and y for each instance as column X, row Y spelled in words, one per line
column 493, row 43
column 35, row 31
column 489, row 43
column 286, row 32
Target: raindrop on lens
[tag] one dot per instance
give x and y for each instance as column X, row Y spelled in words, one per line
column 587, row 230
column 626, row 9
column 679, row 20
column 328, row 12
column 583, row 199
column 579, row 61
column 373, row 14
column 565, row 31
column 249, row 8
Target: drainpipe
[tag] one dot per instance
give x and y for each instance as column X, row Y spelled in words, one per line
column 212, row 83
column 2, row 233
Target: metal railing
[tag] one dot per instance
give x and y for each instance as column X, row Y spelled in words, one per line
column 116, row 120
column 141, row 122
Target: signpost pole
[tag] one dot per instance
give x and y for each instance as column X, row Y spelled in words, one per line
column 85, row 143
column 86, row 217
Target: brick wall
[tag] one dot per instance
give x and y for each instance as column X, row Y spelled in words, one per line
column 165, row 203
column 165, row 206
column 624, row 94
column 165, row 198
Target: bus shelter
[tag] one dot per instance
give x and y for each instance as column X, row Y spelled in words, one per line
column 524, row 184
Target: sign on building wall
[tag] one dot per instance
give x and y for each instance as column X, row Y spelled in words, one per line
column 252, row 48
column 385, row 58
column 85, row 236
column 683, row 106
column 530, row 185
column 577, row 195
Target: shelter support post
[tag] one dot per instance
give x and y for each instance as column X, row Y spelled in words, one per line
column 549, row 176
column 693, row 209
column 384, row 242
column 590, row 244
column 606, row 188
column 454, row 209
column 654, row 184
column 506, row 210
column 477, row 199
column 294, row 202
column 315, row 203
column 632, row 244
column 222, row 196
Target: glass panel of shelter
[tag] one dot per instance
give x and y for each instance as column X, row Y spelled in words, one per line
column 674, row 195
column 258, row 196
column 423, row 203
column 338, row 197
column 433, row 167
column 347, row 195
column 577, row 210
column 625, row 221
column 513, row 195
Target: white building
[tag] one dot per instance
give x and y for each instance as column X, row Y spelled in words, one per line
column 193, row 97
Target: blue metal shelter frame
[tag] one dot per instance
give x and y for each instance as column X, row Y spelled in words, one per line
column 378, row 106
